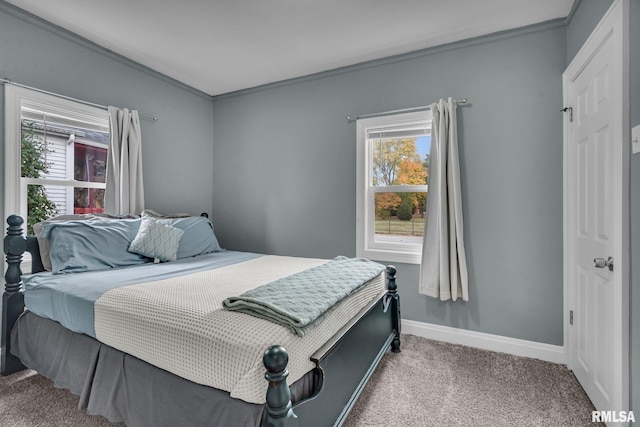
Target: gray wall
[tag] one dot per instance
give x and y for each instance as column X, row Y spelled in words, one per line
column 587, row 15
column 584, row 17
column 285, row 182
column 37, row 54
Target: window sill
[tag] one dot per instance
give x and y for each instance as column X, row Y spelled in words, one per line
column 390, row 256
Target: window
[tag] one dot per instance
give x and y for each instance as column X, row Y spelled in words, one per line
column 55, row 156
column 392, row 173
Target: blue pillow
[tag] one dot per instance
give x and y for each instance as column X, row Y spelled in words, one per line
column 77, row 246
column 198, row 237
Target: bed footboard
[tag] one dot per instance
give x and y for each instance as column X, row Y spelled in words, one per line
column 344, row 365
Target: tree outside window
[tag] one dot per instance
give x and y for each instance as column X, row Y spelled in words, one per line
column 33, row 150
column 397, row 162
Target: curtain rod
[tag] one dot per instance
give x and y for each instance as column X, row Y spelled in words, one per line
column 350, row 118
column 104, row 107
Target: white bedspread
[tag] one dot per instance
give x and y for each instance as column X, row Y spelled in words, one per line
column 179, row 325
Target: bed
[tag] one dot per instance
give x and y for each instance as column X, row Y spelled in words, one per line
column 135, row 355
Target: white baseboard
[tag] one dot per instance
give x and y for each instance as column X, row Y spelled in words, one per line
column 518, row 347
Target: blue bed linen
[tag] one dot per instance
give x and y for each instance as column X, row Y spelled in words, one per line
column 69, row 298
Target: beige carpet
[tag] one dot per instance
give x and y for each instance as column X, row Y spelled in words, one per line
column 431, row 383
column 428, row 384
column 30, row 400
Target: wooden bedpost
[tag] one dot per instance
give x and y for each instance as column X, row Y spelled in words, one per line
column 279, row 412
column 13, row 297
column 392, row 288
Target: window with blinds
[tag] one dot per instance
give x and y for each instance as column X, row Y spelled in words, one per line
column 61, row 149
column 393, row 170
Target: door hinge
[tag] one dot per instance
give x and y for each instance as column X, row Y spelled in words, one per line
column 570, row 109
column 571, row 317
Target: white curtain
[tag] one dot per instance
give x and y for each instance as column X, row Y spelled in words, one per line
column 125, row 192
column 443, row 272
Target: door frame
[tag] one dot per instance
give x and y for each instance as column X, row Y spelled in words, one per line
column 615, row 23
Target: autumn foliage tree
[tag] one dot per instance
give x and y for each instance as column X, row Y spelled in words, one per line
column 412, row 172
column 386, row 203
column 388, row 154
column 396, row 162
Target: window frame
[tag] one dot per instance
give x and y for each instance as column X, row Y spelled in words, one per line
column 15, row 186
column 366, row 246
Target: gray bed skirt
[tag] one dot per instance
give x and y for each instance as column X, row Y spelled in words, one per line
column 125, row 389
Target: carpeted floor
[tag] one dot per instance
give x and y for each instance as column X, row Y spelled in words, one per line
column 30, row 400
column 428, row 384
column 431, row 383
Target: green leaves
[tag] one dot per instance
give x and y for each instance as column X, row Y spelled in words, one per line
column 33, row 165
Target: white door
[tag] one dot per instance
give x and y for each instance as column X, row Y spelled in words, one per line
column 596, row 150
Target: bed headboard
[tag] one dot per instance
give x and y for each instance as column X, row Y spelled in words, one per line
column 16, row 244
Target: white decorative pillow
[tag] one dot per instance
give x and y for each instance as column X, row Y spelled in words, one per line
column 157, row 240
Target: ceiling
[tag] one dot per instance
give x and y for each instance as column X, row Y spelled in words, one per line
column 221, row 46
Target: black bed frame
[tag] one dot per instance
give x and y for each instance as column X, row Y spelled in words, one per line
column 343, row 365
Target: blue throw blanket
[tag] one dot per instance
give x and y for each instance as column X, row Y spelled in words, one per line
column 299, row 301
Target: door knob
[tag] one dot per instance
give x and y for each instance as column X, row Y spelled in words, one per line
column 602, row 263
